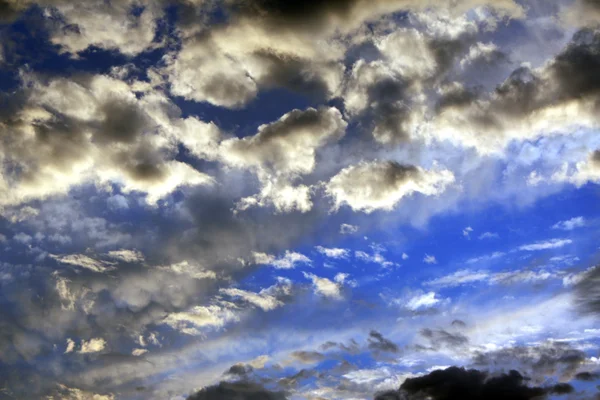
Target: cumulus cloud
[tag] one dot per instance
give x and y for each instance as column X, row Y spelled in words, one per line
column 64, row 133
column 570, row 224
column 380, row 185
column 289, row 260
column 267, row 299
column 557, row 97
column 424, row 300
column 347, row 229
column 325, row 287
column 94, row 345
column 193, row 321
column 333, row 252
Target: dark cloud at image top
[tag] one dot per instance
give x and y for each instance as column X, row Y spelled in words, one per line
column 266, row 199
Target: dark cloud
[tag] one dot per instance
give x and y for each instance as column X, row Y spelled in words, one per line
column 471, row 384
column 442, row 338
column 286, row 14
column 241, row 370
column 308, row 356
column 553, row 358
column 294, row 73
column 237, row 391
column 587, row 291
column 587, row 376
column 379, row 343
column 457, row 323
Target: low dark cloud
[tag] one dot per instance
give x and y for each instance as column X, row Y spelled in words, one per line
column 237, row 391
column 471, row 384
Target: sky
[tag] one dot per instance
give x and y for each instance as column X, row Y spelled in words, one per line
column 277, row 200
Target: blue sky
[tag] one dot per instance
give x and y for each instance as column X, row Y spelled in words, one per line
column 251, row 199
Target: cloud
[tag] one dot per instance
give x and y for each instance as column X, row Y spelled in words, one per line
column 540, row 361
column 380, row 185
column 488, row 235
column 530, row 103
column 325, row 287
column 289, row 260
column 466, row 276
column 545, row 245
column 375, row 257
column 68, row 132
column 333, row 252
column 347, row 229
column 425, row 300
column 83, row 261
column 128, row 256
column 379, row 343
column 308, row 357
column 440, row 338
column 570, row 224
column 266, row 299
column 467, row 231
column 429, row 259
column 287, row 146
column 469, row 384
column 191, row 322
column 587, row 291
column 94, row 345
column 236, row 390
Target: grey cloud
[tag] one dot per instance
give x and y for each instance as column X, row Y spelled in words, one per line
column 552, row 358
column 587, row 291
column 568, row 79
column 378, row 342
column 308, row 357
column 441, row 338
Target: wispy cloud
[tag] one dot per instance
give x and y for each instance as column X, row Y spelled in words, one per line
column 545, row 245
column 570, row 224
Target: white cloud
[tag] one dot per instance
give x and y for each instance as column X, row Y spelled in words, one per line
column 128, row 256
column 570, row 224
column 425, row 300
column 138, row 352
column 347, row 229
column 70, row 346
column 333, row 252
column 429, row 259
column 376, row 258
column 377, row 185
column 193, row 270
column 493, row 256
column 83, row 261
column 547, row 244
column 94, row 345
column 467, row 231
column 289, row 260
column 263, row 299
column 460, row 277
column 325, row 287
column 488, row 235
column 198, row 317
